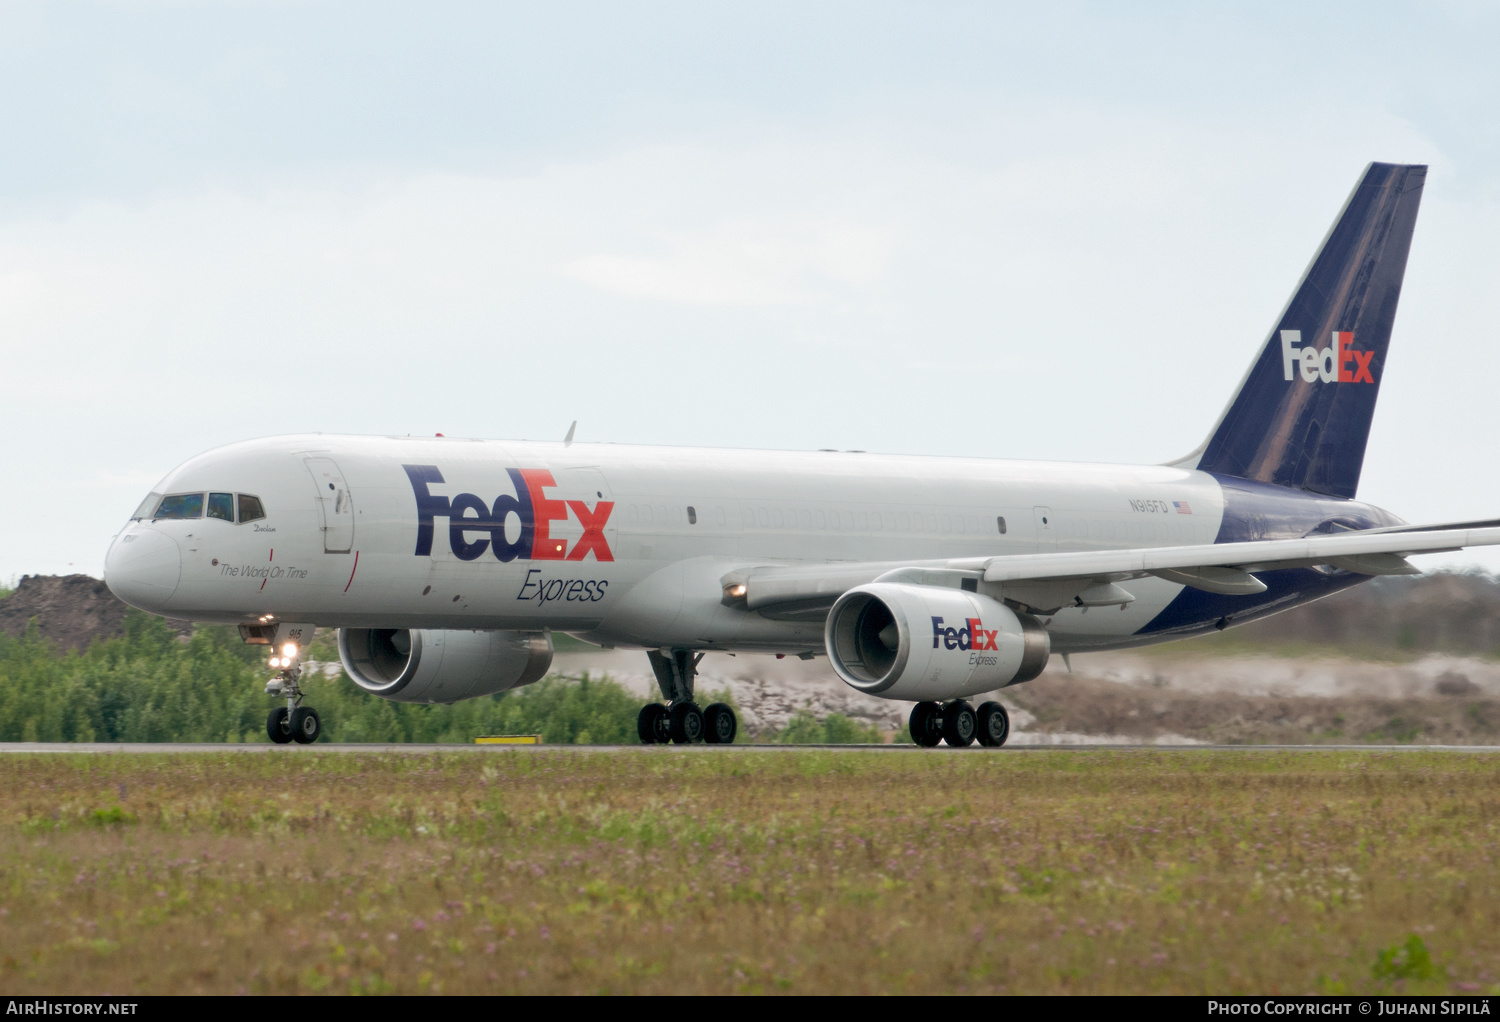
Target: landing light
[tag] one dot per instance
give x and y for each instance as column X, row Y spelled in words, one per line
column 289, row 650
column 275, row 661
column 735, row 591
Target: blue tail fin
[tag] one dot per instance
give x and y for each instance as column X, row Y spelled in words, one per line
column 1302, row 414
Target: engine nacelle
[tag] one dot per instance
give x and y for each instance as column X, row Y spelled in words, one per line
column 430, row 666
column 915, row 642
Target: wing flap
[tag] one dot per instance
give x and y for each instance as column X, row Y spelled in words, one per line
column 1225, row 581
column 1261, row 553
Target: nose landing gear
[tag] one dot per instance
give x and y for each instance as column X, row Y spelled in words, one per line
column 292, row 722
column 681, row 721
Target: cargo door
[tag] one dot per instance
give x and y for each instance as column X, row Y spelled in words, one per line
column 335, row 503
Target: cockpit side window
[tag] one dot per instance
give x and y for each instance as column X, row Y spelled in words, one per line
column 181, row 505
column 250, row 508
column 147, row 506
column 221, row 505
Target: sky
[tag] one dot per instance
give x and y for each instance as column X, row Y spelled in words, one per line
column 1001, row 230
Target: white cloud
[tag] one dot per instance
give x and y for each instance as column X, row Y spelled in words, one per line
column 745, row 263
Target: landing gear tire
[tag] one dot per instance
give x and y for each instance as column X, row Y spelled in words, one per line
column 994, row 725
column 305, row 725
column 926, row 724
column 278, row 726
column 686, row 723
column 651, row 724
column 719, row 725
column 959, row 724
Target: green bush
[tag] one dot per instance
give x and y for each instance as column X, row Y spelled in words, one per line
column 835, row 729
column 563, row 711
column 1410, row 960
column 148, row 686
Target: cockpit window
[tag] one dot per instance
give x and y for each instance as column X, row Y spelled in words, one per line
column 250, row 508
column 181, row 505
column 147, row 506
column 221, row 505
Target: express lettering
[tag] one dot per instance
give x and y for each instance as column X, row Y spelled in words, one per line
column 569, row 590
column 1337, row 363
column 974, row 636
column 534, row 512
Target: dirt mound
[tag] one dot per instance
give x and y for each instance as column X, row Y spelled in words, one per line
column 1454, row 612
column 71, row 610
column 1091, row 706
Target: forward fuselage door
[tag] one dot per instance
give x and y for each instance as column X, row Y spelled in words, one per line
column 335, row 503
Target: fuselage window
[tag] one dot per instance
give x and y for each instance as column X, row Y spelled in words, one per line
column 822, row 519
column 221, row 506
column 692, row 515
column 250, row 508
column 181, row 505
column 147, row 506
column 1000, row 521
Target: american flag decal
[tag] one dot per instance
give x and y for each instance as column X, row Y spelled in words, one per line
column 1182, row 507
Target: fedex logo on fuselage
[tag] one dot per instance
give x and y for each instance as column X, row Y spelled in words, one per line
column 533, row 510
column 973, row 636
column 1337, row 363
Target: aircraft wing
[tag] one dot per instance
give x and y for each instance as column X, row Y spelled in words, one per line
column 1046, row 581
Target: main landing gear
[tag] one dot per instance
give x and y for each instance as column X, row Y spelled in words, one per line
column 292, row 722
column 681, row 721
column 959, row 724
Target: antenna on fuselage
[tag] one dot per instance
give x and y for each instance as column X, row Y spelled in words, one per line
column 568, row 440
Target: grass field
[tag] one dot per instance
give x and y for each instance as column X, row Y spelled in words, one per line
column 670, row 871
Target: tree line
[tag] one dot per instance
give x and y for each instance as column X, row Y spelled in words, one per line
column 148, row 685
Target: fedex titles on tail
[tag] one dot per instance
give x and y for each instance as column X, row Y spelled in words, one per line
column 468, row 514
column 1337, row 363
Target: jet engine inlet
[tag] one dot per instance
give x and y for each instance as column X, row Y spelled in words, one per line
column 380, row 660
column 903, row 641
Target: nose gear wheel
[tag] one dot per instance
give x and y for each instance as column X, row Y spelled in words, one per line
column 278, row 725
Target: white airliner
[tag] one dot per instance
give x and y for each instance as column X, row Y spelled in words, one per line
column 446, row 564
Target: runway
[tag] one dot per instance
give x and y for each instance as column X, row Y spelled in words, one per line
column 44, row 748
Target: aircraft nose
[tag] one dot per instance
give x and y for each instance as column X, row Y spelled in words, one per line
column 143, row 569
